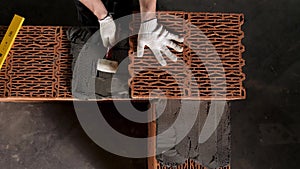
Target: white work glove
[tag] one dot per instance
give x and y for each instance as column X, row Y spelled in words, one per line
column 157, row 38
column 108, row 31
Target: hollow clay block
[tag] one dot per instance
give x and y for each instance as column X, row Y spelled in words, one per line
column 212, row 55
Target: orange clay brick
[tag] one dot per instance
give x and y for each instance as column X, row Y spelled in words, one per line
column 188, row 78
column 38, row 65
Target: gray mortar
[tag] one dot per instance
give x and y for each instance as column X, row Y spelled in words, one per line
column 215, row 152
column 87, row 48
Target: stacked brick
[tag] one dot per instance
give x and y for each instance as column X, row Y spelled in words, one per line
column 38, row 66
column 210, row 66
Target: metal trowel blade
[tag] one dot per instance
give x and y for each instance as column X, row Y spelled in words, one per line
column 107, row 66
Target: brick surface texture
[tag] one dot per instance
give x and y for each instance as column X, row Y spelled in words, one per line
column 210, row 66
column 38, row 65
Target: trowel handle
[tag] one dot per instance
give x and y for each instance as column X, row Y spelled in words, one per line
column 108, row 53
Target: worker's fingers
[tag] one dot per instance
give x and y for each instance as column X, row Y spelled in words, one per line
column 173, row 45
column 169, row 54
column 140, row 49
column 175, row 37
column 159, row 57
column 163, row 33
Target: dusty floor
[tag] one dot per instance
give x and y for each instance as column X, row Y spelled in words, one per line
column 48, row 135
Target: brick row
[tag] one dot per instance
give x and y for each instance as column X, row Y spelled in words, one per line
column 40, row 56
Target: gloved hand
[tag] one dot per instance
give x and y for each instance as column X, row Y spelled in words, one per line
column 108, row 31
column 157, row 38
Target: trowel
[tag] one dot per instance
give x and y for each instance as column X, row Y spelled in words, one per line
column 106, row 65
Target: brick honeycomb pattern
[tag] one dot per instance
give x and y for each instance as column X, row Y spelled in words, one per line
column 182, row 166
column 150, row 80
column 38, row 65
column 190, row 164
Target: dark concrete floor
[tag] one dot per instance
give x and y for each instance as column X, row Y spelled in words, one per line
column 264, row 126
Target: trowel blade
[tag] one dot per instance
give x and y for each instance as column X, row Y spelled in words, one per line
column 107, row 66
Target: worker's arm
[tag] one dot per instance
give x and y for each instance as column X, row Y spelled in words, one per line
column 148, row 9
column 106, row 22
column 154, row 35
column 96, row 6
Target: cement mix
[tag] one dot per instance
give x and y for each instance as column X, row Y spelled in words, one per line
column 213, row 153
column 87, row 49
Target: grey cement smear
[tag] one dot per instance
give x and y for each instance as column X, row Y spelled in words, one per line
column 215, row 152
column 86, row 49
